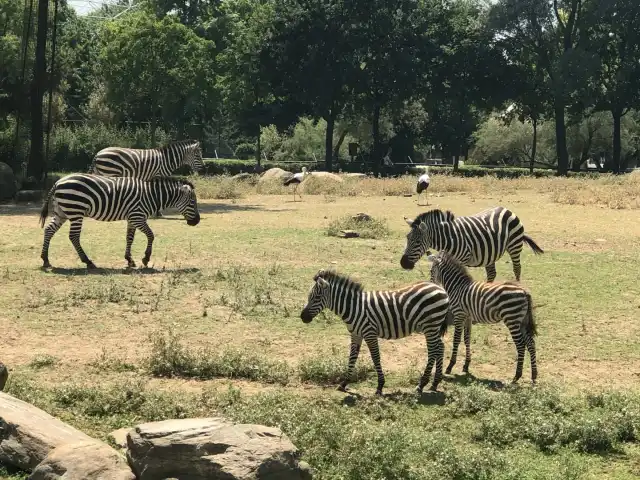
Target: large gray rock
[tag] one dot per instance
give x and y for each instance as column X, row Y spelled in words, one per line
column 212, row 448
column 274, row 174
column 8, row 182
column 4, row 375
column 28, row 434
column 92, row 460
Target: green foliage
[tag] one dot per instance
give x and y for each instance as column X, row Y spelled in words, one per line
column 245, row 150
column 331, row 369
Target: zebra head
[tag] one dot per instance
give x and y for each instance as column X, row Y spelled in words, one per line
column 319, row 298
column 418, row 242
column 436, row 268
column 187, row 203
column 193, row 157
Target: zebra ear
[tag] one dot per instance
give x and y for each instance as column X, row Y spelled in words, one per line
column 422, row 226
column 322, row 282
column 409, row 221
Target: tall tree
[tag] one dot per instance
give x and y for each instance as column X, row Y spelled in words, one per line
column 612, row 31
column 309, row 57
column 550, row 29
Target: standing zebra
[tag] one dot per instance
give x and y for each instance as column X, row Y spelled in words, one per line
column 476, row 240
column 108, row 199
column 482, row 302
column 146, row 164
column 369, row 315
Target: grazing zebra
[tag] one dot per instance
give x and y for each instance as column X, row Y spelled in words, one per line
column 369, row 315
column 476, row 240
column 108, row 199
column 146, row 164
column 483, row 302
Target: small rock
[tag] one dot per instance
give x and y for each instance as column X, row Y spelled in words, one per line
column 83, row 461
column 4, row 375
column 349, row 233
column 601, row 240
column 408, row 195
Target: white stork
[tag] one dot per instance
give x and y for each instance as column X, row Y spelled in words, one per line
column 423, row 184
column 295, row 180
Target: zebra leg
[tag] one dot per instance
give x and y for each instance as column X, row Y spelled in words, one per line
column 372, row 343
column 74, row 235
column 531, row 347
column 516, row 334
column 54, row 225
column 491, row 272
column 515, row 260
column 144, row 228
column 131, row 232
column 354, row 351
column 467, row 346
column 457, row 335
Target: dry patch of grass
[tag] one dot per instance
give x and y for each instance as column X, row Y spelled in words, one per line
column 370, row 228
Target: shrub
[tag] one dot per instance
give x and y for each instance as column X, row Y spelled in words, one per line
column 330, row 369
column 372, row 228
column 245, row 150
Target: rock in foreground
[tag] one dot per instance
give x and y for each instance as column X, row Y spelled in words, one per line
column 83, row 461
column 212, row 448
column 28, row 434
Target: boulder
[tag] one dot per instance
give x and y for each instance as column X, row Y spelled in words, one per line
column 354, row 175
column 274, row 174
column 91, row 460
column 212, row 448
column 245, row 177
column 328, row 176
column 8, row 182
column 28, row 434
column 119, row 437
column 4, row 375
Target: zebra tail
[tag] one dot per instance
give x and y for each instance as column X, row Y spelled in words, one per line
column 534, row 246
column 530, row 322
column 44, row 213
column 445, row 324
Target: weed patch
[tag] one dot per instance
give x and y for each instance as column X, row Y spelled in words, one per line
column 331, row 369
column 368, row 228
column 43, row 361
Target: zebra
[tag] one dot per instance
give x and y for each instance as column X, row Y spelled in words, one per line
column 483, row 302
column 476, row 240
column 146, row 164
column 108, row 199
column 392, row 314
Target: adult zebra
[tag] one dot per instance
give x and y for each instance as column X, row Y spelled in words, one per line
column 108, row 199
column 483, row 302
column 146, row 164
column 476, row 240
column 369, row 315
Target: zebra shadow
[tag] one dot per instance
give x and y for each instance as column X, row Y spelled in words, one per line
column 467, row 379
column 425, row 398
column 112, row 271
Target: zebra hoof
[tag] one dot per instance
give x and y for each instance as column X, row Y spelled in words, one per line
column 145, row 262
column 46, row 264
column 448, row 370
column 91, row 266
column 131, row 264
column 379, row 392
column 342, row 387
column 419, row 389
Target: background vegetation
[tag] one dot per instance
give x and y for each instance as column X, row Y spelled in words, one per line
column 535, row 83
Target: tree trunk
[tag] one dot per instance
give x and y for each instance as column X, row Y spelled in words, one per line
column 328, row 141
column 338, row 145
column 534, row 145
column 258, row 149
column 377, row 153
column 36, row 160
column 617, row 148
column 561, row 139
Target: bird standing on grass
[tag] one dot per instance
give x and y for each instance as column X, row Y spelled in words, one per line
column 295, row 180
column 423, row 184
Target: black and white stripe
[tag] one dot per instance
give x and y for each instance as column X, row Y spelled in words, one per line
column 369, row 315
column 476, row 240
column 147, row 163
column 108, row 199
column 483, row 302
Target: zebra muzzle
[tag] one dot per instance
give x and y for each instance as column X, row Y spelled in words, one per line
column 306, row 316
column 193, row 221
column 406, row 263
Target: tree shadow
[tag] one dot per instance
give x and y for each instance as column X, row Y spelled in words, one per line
column 468, row 379
column 225, row 208
column 14, row 209
column 113, row 271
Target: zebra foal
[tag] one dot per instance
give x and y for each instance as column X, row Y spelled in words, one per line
column 109, row 199
column 476, row 240
column 483, row 302
column 369, row 315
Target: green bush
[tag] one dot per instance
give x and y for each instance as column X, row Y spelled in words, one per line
column 245, row 150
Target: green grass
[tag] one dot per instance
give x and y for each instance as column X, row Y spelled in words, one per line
column 223, row 302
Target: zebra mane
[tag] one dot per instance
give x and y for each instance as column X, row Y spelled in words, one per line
column 332, row 276
column 449, row 260
column 435, row 214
